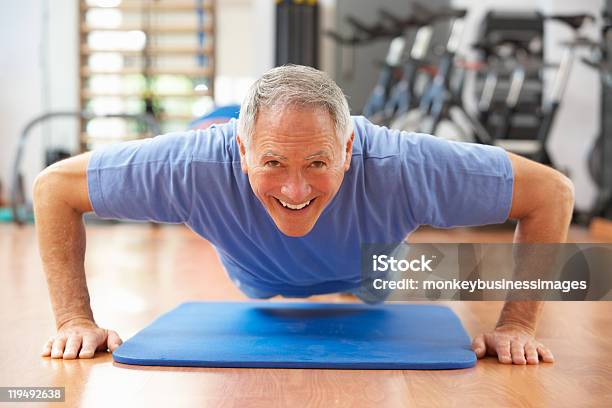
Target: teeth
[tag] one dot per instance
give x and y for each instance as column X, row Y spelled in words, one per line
column 294, row 207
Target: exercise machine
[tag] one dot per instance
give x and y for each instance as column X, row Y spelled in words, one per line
column 395, row 91
column 21, row 208
column 504, row 37
column 600, row 156
column 440, row 101
column 444, row 90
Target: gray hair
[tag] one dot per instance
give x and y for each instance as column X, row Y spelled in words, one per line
column 295, row 85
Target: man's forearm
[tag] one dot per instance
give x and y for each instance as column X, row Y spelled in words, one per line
column 549, row 224
column 61, row 239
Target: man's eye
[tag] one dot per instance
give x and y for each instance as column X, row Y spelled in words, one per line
column 317, row 164
column 272, row 163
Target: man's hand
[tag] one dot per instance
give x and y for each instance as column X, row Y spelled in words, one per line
column 82, row 338
column 512, row 345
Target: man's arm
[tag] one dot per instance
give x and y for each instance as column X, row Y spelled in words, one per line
column 60, row 199
column 542, row 202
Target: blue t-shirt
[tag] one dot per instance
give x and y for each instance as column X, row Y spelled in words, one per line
column 396, row 182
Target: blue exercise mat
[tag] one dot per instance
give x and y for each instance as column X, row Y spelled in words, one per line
column 302, row 335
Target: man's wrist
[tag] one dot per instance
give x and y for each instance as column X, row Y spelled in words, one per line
column 528, row 328
column 520, row 314
column 72, row 320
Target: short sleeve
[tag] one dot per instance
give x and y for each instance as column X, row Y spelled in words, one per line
column 144, row 180
column 449, row 184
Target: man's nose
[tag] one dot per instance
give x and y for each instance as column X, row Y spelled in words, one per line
column 296, row 188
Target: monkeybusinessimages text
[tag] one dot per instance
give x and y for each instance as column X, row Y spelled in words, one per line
column 389, row 264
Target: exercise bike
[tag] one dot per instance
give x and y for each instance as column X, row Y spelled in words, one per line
column 441, row 100
column 363, row 34
column 443, row 92
column 406, row 94
column 395, row 88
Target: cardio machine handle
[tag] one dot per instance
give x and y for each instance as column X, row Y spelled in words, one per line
column 429, row 16
column 574, row 21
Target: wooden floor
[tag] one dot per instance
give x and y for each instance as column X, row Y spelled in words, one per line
column 136, row 272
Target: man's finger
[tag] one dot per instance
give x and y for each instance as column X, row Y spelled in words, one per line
column 546, row 354
column 478, row 345
column 503, row 352
column 113, row 340
column 89, row 346
column 46, row 351
column 72, row 347
column 531, row 353
column 517, row 348
column 57, row 350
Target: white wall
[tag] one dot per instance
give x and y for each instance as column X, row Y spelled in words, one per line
column 38, row 73
column 20, row 79
column 578, row 119
column 263, row 15
column 240, row 57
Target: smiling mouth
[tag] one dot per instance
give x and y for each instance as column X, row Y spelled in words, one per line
column 294, row 207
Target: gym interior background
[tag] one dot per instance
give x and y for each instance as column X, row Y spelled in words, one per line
column 86, row 73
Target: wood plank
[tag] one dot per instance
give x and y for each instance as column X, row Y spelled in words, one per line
column 88, row 94
column 192, row 72
column 176, row 117
column 153, row 50
column 174, row 6
column 152, row 30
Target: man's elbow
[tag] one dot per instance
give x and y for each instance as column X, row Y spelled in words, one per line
column 64, row 183
column 45, row 184
column 41, row 184
column 563, row 192
column 550, row 194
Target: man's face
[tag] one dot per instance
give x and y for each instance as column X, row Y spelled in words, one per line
column 295, row 165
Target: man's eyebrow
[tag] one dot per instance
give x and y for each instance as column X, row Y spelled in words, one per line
column 270, row 153
column 317, row 154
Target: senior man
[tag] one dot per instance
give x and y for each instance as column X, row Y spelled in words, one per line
column 287, row 194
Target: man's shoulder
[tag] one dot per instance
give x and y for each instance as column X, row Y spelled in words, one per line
column 379, row 142
column 216, row 144
column 373, row 141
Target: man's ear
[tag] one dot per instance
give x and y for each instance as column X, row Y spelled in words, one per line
column 243, row 155
column 348, row 151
